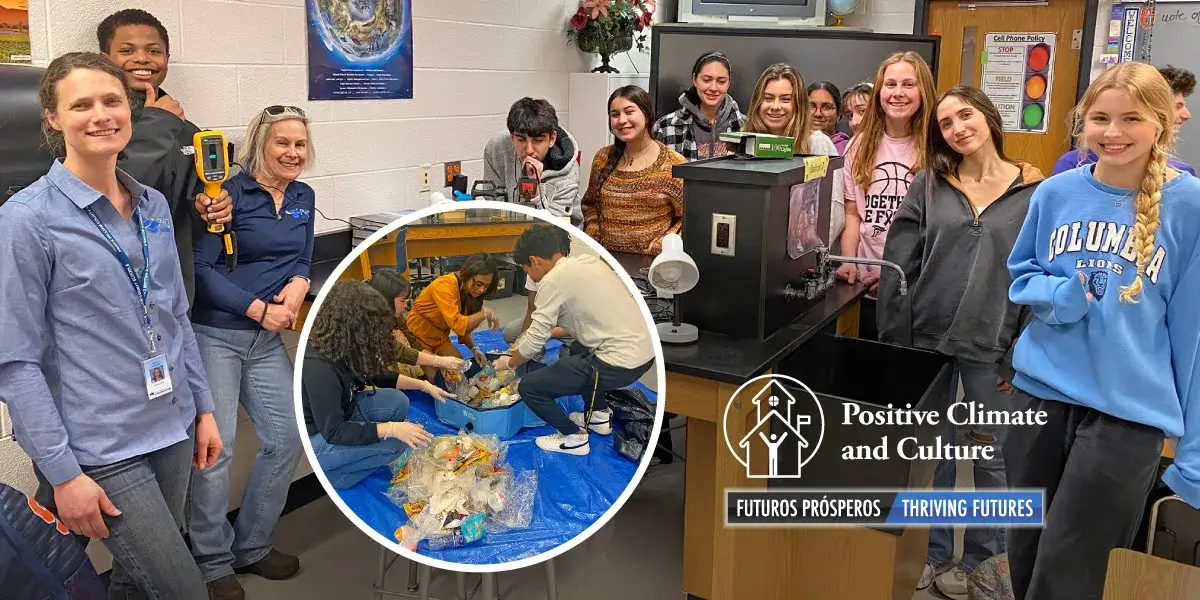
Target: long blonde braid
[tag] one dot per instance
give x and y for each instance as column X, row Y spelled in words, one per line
column 1146, row 217
column 1147, row 87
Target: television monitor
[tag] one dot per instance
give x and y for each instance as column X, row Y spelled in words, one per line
column 844, row 57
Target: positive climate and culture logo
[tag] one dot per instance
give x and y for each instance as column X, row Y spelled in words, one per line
column 785, row 428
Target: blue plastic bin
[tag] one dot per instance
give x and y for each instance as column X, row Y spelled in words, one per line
column 503, row 421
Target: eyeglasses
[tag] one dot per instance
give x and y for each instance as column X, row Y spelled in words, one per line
column 277, row 109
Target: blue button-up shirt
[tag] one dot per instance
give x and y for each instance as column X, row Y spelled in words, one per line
column 273, row 248
column 72, row 340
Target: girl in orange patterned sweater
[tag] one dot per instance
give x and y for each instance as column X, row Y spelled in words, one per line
column 632, row 200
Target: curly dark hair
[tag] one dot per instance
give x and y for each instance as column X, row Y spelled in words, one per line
column 354, row 329
column 1181, row 81
column 107, row 29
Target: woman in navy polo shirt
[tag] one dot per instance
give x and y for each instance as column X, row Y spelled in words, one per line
column 237, row 317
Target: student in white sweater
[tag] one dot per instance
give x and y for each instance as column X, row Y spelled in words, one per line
column 613, row 347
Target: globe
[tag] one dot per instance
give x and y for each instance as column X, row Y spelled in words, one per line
column 360, row 30
column 842, row 7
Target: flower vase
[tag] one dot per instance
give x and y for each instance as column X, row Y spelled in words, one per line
column 595, row 41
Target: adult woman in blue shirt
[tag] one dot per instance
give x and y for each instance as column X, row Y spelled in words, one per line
column 94, row 302
column 237, row 317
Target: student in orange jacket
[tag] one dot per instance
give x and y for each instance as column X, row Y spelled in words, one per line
column 454, row 303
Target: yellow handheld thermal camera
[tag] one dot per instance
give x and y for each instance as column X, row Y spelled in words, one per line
column 212, row 166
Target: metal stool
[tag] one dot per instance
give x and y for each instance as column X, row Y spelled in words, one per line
column 419, row 577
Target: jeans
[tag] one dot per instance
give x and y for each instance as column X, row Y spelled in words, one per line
column 979, row 543
column 345, row 466
column 1097, row 471
column 579, row 373
column 513, row 330
column 150, row 559
column 250, row 367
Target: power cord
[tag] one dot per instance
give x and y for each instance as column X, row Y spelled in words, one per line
column 314, row 205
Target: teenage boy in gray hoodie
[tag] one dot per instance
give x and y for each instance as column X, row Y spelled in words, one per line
column 536, row 147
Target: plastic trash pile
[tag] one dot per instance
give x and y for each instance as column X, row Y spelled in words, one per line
column 457, row 490
column 487, row 388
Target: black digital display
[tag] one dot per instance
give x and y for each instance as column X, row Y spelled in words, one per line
column 212, row 155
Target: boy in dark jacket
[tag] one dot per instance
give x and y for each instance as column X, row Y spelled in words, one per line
column 157, row 155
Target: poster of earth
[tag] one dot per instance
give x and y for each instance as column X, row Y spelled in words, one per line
column 359, row 49
column 14, row 31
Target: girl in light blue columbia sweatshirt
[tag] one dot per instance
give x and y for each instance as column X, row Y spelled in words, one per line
column 1107, row 260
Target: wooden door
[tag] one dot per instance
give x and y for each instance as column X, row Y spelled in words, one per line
column 961, row 62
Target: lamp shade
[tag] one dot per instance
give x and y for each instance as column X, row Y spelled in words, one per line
column 673, row 271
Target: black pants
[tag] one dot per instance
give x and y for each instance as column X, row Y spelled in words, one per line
column 1097, row 471
column 580, row 373
column 868, row 328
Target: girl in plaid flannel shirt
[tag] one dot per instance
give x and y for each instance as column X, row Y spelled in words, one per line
column 707, row 110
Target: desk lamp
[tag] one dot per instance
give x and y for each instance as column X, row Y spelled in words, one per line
column 673, row 272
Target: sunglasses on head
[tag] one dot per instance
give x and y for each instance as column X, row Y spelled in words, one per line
column 277, row 109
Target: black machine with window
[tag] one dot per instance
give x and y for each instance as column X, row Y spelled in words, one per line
column 24, row 156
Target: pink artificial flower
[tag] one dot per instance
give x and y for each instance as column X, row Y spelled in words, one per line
column 578, row 21
column 644, row 20
column 598, row 7
column 648, row 5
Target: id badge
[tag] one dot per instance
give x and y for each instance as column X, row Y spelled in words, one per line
column 157, row 375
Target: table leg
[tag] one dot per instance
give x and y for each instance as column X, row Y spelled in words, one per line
column 461, row 580
column 425, row 573
column 412, row 576
column 381, row 573
column 489, row 586
column 551, row 581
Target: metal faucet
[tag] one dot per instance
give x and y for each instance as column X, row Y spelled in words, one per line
column 872, row 261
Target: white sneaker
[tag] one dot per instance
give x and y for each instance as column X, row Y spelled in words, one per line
column 953, row 583
column 576, row 443
column 926, row 577
column 601, row 421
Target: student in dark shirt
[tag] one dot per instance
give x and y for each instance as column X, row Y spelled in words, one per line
column 237, row 317
column 138, row 44
column 353, row 430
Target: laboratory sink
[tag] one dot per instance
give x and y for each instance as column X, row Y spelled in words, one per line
column 851, row 375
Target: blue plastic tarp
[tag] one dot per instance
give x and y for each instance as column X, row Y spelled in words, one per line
column 573, row 491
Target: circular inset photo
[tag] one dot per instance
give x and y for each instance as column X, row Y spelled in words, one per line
column 479, row 384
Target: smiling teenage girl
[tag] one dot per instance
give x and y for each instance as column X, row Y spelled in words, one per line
column 1109, row 263
column 707, row 111
column 632, row 200
column 959, row 222
column 779, row 106
column 824, row 102
column 880, row 162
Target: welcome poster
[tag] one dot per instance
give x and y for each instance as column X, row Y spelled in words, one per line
column 360, row 49
column 14, row 31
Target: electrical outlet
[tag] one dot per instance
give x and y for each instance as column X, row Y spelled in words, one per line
column 425, row 177
column 724, row 234
column 452, row 169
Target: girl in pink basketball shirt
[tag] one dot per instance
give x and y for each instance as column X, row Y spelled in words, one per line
column 880, row 162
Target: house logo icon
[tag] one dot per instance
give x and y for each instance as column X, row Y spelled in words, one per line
column 785, row 423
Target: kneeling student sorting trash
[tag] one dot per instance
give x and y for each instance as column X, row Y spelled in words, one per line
column 612, row 350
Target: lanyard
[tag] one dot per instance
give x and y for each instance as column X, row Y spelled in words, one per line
column 141, row 286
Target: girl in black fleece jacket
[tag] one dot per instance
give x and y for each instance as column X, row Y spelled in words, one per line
column 952, row 236
column 355, row 430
